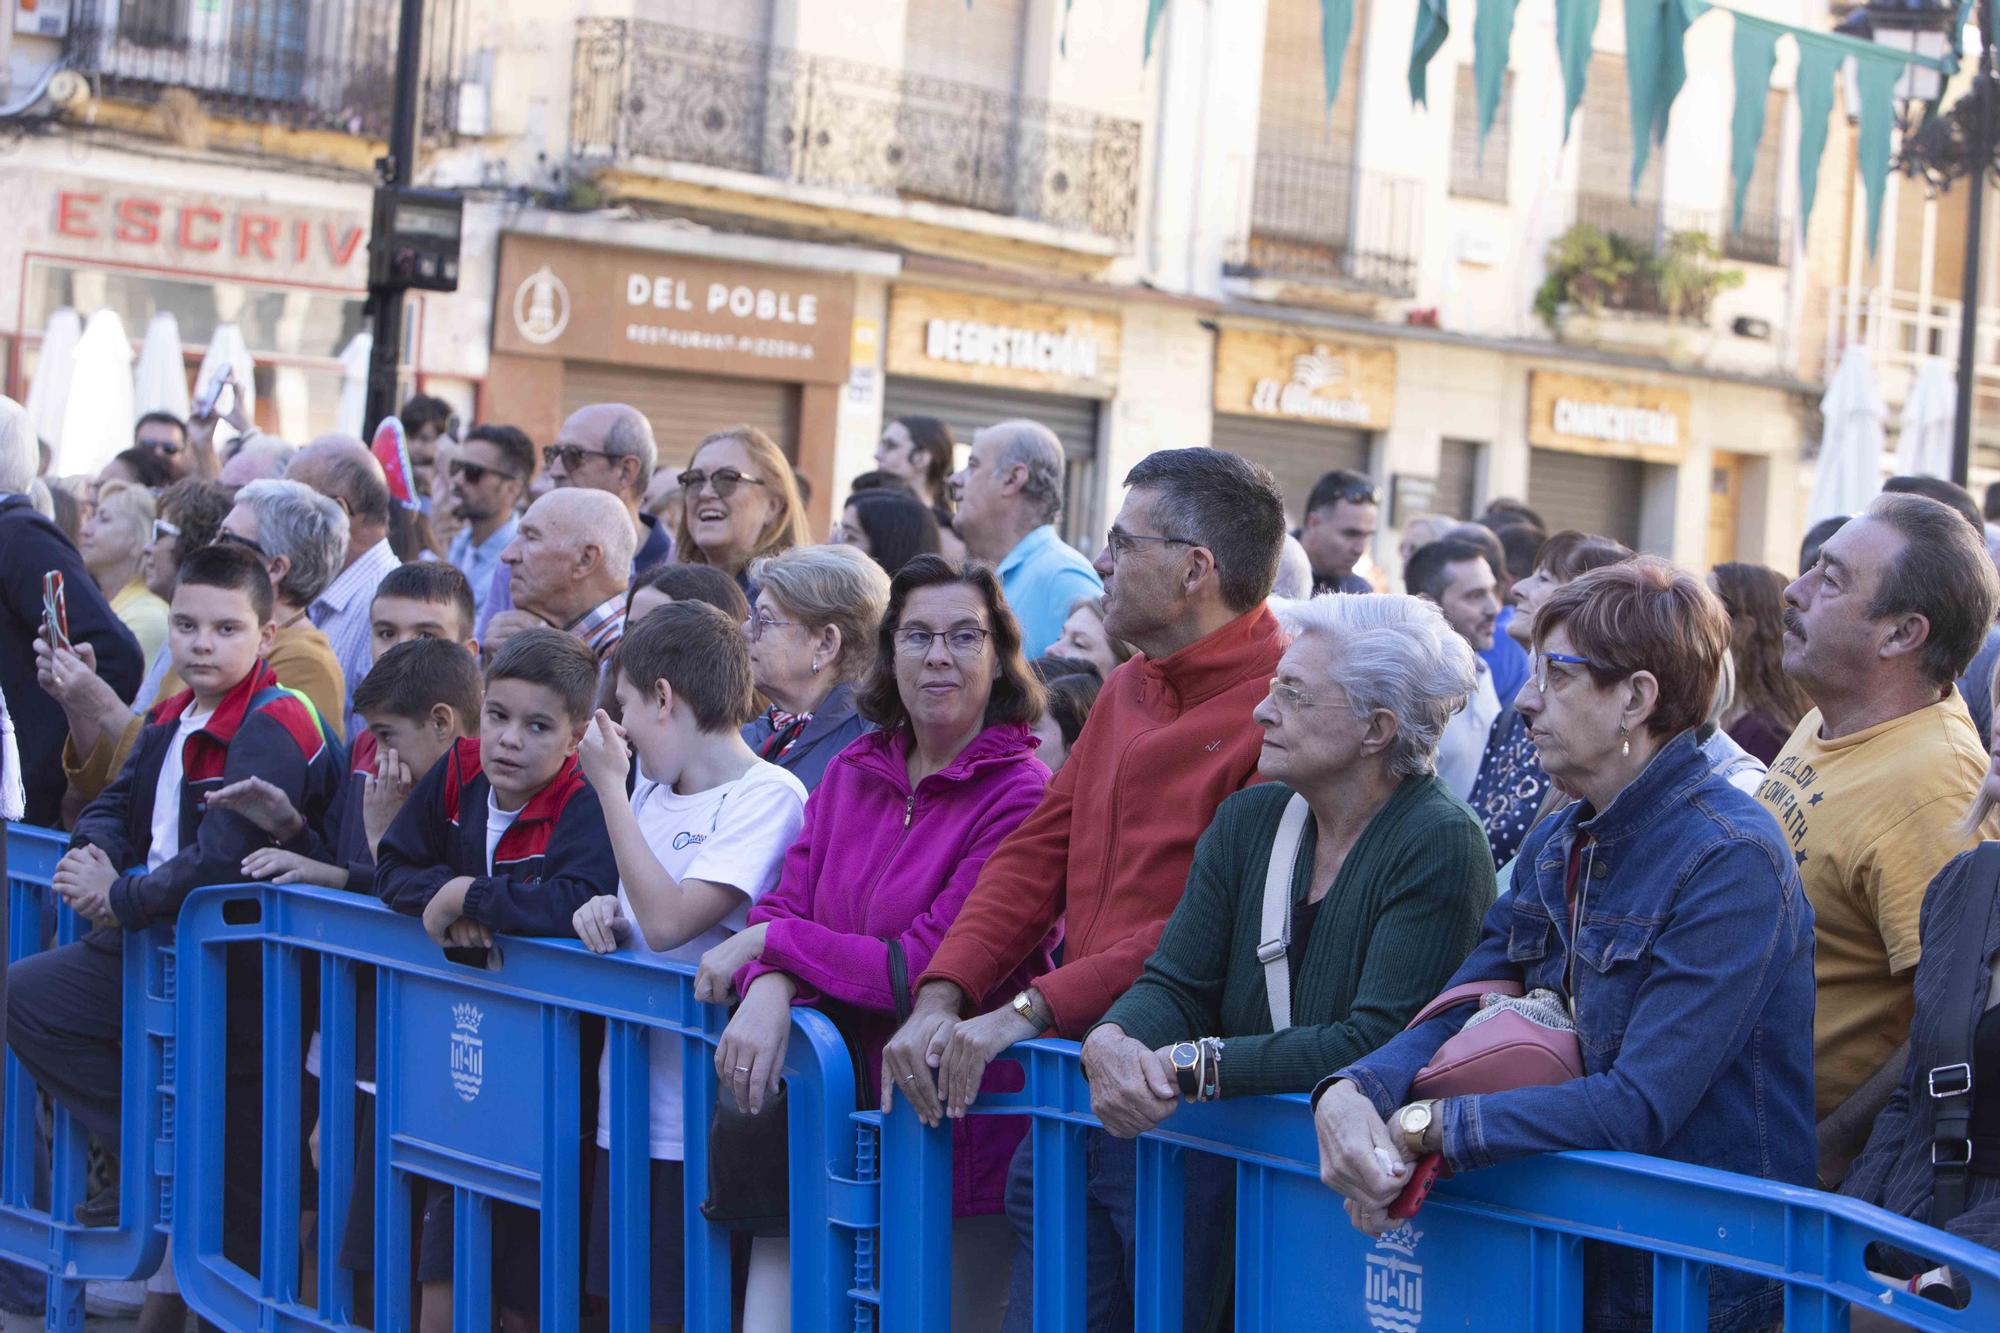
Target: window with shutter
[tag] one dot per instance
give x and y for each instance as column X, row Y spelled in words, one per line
column 1605, row 198
column 1302, row 207
column 1477, row 175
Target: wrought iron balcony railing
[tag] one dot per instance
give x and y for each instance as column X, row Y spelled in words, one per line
column 1766, row 237
column 650, row 90
column 1317, row 219
column 307, row 64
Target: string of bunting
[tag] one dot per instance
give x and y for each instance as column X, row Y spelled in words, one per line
column 1659, row 28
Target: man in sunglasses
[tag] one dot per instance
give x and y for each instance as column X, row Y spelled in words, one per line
column 604, row 447
column 163, row 435
column 1342, row 514
column 488, row 479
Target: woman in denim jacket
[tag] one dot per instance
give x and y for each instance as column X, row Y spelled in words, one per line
column 1664, row 908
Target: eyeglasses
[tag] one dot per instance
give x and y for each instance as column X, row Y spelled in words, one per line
column 725, row 480
column 474, row 473
column 965, row 641
column 163, row 530
column 227, row 538
column 572, row 455
column 758, row 622
column 1355, row 495
column 1291, row 698
column 1543, row 660
column 1122, row 542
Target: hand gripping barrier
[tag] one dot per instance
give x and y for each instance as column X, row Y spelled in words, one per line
column 478, row 1074
column 48, row 1237
column 1492, row 1250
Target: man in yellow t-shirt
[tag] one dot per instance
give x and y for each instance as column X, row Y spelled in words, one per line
column 1874, row 785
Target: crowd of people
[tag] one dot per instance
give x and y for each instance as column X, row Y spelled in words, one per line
column 1217, row 803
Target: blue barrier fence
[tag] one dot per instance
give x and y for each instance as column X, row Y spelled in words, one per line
column 480, row 1083
column 40, row 1195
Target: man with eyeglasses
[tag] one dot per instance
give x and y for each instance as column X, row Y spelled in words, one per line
column 605, row 447
column 1342, row 514
column 489, row 476
column 1009, row 497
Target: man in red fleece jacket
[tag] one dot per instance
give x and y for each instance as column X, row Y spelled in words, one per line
column 1186, row 569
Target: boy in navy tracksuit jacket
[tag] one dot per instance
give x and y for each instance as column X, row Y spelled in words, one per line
column 149, row 840
column 503, row 835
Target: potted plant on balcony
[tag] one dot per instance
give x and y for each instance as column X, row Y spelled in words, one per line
column 1603, row 290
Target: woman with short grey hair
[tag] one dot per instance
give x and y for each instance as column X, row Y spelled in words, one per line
column 1382, row 877
column 301, row 535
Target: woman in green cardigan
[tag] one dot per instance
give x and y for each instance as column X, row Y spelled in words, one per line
column 1387, row 888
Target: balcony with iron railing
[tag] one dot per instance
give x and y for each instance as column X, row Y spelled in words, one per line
column 1765, row 238
column 650, row 92
column 1316, row 219
column 297, row 63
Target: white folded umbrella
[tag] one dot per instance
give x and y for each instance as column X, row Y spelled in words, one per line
column 1923, row 444
column 160, row 383
column 48, row 395
column 1850, row 446
column 97, row 419
column 227, row 348
column 354, row 360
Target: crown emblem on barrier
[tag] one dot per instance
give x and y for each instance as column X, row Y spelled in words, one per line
column 1402, row 1239
column 467, row 1017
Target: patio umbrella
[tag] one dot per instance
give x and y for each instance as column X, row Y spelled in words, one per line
column 49, row 393
column 354, row 359
column 1850, row 445
column 160, row 383
column 1923, row 446
column 227, row 348
column 97, row 419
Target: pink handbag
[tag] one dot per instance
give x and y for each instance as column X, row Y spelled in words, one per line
column 1499, row 1049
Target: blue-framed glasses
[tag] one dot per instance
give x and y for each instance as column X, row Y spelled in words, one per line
column 1544, row 660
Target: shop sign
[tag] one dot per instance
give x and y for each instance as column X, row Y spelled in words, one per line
column 245, row 238
column 1304, row 379
column 646, row 308
column 1610, row 417
column 1013, row 344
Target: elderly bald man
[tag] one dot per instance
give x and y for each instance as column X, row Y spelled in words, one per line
column 341, row 468
column 571, row 562
column 1009, row 496
column 604, row 447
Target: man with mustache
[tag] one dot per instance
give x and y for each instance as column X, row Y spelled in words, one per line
column 1873, row 786
column 1459, row 577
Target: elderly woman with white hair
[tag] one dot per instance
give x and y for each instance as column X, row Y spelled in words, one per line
column 1267, row 979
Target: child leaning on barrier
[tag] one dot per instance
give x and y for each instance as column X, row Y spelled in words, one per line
column 151, row 838
column 701, row 840
column 502, row 835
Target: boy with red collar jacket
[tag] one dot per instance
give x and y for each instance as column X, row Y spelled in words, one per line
column 504, row 834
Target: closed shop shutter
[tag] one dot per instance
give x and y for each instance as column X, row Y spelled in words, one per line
column 969, row 408
column 1590, row 494
column 1297, row 453
column 684, row 408
column 1458, row 478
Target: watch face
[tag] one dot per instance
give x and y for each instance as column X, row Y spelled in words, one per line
column 1184, row 1056
column 1416, row 1119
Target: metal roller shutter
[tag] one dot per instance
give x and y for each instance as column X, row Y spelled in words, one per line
column 1590, row 494
column 684, row 408
column 968, row 408
column 1297, row 453
column 1458, row 478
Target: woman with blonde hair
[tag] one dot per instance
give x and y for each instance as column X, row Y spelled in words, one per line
column 114, row 538
column 739, row 504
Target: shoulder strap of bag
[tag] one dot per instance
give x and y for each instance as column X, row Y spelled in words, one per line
column 1460, row 994
column 899, row 981
column 1276, row 939
column 1945, row 1064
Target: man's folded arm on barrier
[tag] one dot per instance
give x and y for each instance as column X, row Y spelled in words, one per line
column 413, row 860
column 579, row 865
column 262, row 747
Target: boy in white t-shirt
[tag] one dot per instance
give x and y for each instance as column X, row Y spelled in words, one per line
column 702, row 838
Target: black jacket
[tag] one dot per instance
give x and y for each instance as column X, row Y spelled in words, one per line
column 31, row 546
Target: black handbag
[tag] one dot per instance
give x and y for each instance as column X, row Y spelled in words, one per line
column 749, row 1156
column 1945, row 1063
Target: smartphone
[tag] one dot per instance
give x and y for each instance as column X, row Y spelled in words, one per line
column 210, row 397
column 1422, row 1176
column 55, row 612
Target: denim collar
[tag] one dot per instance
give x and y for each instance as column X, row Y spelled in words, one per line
column 1677, row 769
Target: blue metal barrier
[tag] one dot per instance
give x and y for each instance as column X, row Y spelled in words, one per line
column 1491, row 1250
column 45, row 1235
column 478, row 1072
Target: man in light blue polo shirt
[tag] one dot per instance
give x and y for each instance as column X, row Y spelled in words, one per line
column 1009, row 496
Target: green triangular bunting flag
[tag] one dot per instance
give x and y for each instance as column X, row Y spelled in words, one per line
column 1492, row 33
column 1878, row 79
column 1576, row 24
column 1756, row 51
column 1819, row 61
column 1433, row 26
column 1336, row 25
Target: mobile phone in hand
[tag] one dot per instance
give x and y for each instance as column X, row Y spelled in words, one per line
column 1423, row 1175
column 55, row 612
column 210, row 397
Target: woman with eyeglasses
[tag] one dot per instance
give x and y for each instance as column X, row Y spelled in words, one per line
column 812, row 631
column 1661, row 915
column 893, row 839
column 739, row 503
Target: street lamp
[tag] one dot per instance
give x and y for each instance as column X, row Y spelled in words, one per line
column 1942, row 148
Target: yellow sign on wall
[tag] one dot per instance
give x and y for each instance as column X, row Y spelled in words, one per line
column 1011, row 344
column 1304, row 379
column 1611, row 418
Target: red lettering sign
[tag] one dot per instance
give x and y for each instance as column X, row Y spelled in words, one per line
column 277, row 239
column 342, row 250
column 138, row 221
column 213, row 239
column 71, row 209
column 254, row 231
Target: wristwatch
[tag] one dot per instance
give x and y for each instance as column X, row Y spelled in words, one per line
column 1024, row 1005
column 1413, row 1122
column 1186, row 1060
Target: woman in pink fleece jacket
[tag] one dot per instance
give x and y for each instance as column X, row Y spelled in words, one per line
column 894, row 837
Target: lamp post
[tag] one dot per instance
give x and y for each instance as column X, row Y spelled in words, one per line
column 1941, row 148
